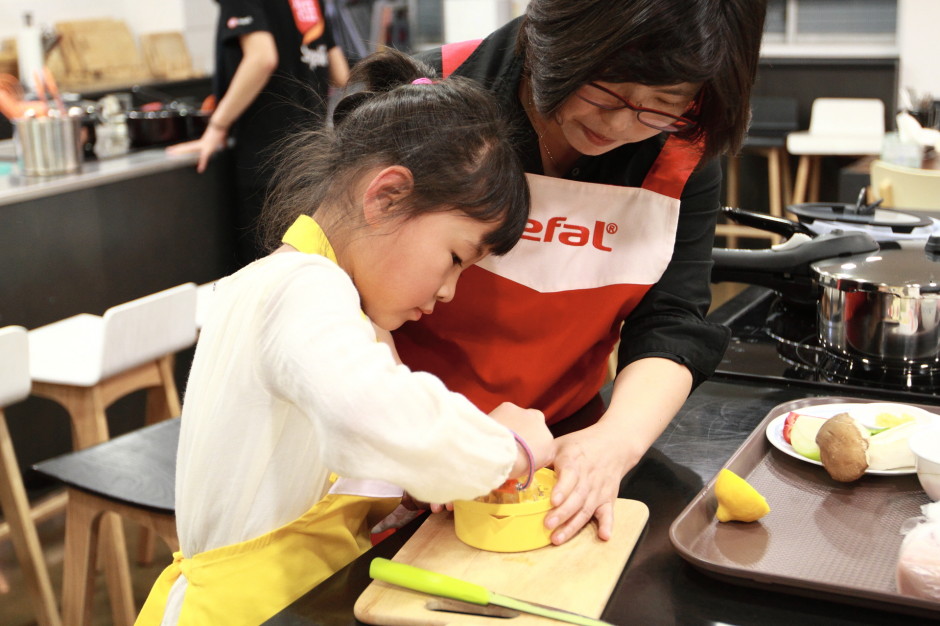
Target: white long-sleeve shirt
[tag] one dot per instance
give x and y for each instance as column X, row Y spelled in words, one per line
column 289, row 384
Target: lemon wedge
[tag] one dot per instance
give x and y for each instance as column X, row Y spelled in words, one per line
column 737, row 500
column 890, row 420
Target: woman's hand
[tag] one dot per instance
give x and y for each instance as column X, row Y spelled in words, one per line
column 590, row 463
column 212, row 140
column 589, row 472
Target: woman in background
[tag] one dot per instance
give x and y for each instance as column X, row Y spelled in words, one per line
column 275, row 62
column 621, row 110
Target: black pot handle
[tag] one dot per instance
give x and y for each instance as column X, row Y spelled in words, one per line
column 787, row 270
column 777, row 225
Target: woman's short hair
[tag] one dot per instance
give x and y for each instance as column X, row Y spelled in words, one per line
column 567, row 43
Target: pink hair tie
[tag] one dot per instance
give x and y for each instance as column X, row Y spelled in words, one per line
column 422, row 81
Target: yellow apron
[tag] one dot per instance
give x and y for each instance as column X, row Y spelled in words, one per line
column 249, row 582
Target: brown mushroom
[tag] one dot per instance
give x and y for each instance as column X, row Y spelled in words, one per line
column 843, row 447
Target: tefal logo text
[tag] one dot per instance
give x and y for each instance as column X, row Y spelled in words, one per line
column 569, row 234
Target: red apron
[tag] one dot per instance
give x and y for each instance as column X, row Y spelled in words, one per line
column 537, row 326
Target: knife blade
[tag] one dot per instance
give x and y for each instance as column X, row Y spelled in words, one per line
column 418, row 579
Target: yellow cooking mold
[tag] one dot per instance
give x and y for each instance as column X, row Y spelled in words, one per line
column 491, row 523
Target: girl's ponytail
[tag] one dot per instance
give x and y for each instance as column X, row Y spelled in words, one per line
column 378, row 73
column 450, row 134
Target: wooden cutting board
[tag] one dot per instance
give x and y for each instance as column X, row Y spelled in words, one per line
column 578, row 576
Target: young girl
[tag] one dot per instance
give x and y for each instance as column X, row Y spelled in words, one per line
column 289, row 383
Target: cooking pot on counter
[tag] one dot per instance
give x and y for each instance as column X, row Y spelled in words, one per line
column 883, row 304
column 164, row 126
column 163, row 120
column 874, row 300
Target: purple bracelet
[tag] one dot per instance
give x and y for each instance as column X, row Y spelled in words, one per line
column 528, row 453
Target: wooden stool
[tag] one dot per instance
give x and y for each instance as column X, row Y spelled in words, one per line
column 772, row 118
column 778, row 187
column 132, row 476
column 14, row 387
column 87, row 362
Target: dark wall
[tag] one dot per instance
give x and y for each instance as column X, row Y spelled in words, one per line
column 808, row 79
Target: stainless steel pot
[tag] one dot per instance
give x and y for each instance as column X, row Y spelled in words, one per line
column 877, row 301
column 883, row 305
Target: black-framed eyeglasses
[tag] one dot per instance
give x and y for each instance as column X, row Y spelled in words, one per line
column 604, row 98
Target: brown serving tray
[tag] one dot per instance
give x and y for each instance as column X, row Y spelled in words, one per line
column 822, row 538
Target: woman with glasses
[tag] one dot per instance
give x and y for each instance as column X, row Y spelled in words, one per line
column 621, row 108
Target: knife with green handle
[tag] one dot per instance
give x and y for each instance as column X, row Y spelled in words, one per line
column 418, row 579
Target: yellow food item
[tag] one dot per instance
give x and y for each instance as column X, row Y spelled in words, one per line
column 737, row 500
column 890, row 420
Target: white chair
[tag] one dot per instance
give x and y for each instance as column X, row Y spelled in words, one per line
column 14, row 387
column 88, row 362
column 837, row 127
column 204, row 294
column 902, row 187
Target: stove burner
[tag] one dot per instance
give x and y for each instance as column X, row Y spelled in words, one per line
column 776, row 339
column 921, row 378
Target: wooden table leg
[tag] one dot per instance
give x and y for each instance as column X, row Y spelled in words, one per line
column 733, row 188
column 787, row 178
column 88, row 525
column 81, row 543
column 802, row 179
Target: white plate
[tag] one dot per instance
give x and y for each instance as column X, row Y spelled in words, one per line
column 863, row 412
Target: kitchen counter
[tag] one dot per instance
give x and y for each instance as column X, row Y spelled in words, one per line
column 657, row 586
column 121, row 228
column 15, row 187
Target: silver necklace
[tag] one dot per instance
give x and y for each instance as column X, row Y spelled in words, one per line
column 547, row 151
column 542, row 141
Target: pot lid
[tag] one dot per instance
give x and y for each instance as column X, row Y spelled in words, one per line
column 904, row 268
column 871, row 215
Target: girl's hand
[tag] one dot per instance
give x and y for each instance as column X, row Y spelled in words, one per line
column 530, row 425
column 589, row 472
column 396, row 519
column 411, row 504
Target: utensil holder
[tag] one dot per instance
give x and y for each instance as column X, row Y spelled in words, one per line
column 47, row 146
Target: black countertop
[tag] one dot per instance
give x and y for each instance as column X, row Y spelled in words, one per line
column 657, row 586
